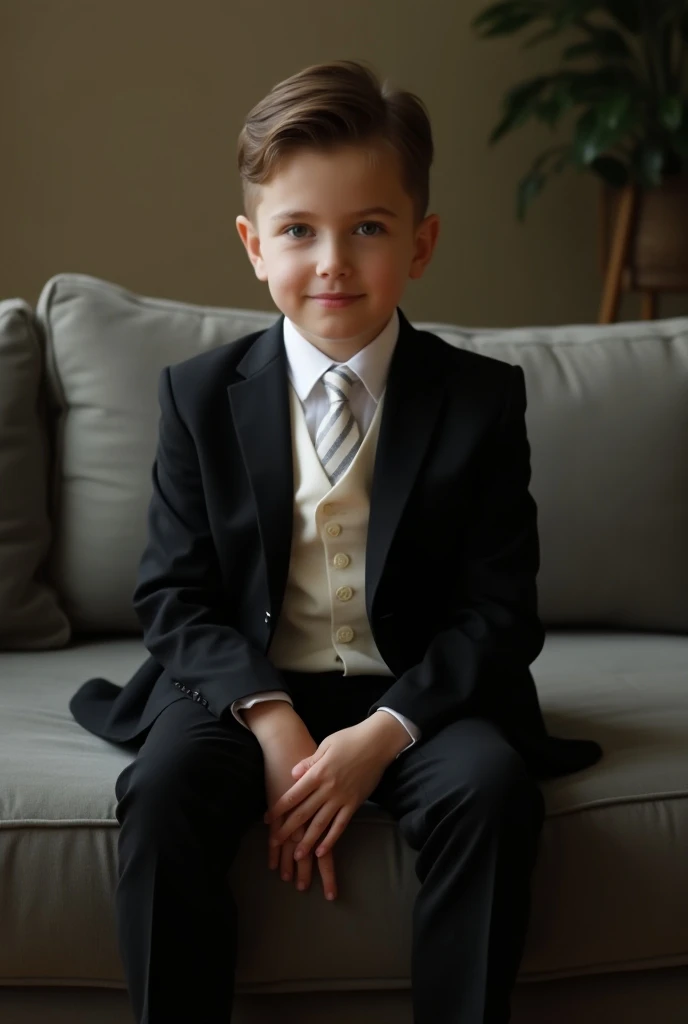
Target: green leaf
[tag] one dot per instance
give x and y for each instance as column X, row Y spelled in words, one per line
column 533, row 182
column 497, row 10
column 551, row 108
column 550, row 111
column 605, row 43
column 680, row 143
column 651, row 164
column 540, row 161
column 597, row 85
column 541, row 37
column 528, row 189
column 612, row 170
column 671, row 111
column 519, row 104
column 627, row 13
column 506, row 18
column 601, row 127
column 611, row 112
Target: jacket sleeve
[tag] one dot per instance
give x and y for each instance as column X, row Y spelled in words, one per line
column 178, row 596
column 491, row 632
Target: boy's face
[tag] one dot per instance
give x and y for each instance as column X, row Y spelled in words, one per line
column 331, row 246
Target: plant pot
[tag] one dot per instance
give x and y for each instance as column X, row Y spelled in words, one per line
column 657, row 255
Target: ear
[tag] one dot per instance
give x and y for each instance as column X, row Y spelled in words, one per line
column 251, row 241
column 426, row 240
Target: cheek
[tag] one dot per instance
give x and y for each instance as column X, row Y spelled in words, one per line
column 384, row 273
column 294, row 262
column 286, row 270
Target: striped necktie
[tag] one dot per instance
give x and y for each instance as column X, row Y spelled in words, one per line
column 338, row 438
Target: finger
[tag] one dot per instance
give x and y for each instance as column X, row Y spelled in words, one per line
column 300, row 816
column 304, row 873
column 316, row 829
column 275, row 827
column 287, row 862
column 327, row 874
column 298, row 792
column 274, row 852
column 336, row 829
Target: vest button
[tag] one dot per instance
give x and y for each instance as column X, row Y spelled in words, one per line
column 345, row 593
column 345, row 634
column 334, row 529
column 340, row 561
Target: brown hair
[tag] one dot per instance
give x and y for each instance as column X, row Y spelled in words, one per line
column 328, row 105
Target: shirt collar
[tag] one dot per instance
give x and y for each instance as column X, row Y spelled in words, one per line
column 307, row 363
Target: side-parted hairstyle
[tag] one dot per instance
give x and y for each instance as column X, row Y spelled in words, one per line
column 329, row 105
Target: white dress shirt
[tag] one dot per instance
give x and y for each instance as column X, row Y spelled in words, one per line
column 306, row 366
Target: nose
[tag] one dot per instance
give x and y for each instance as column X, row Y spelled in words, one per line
column 333, row 260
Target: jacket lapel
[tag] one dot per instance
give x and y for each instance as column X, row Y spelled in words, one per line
column 260, row 409
column 412, row 405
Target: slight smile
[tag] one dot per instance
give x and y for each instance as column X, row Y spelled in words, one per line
column 335, row 301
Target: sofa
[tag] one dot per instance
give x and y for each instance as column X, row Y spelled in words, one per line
column 608, row 427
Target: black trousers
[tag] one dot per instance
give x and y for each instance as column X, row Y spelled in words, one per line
column 463, row 800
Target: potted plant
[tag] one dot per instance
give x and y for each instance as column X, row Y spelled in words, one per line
column 631, row 130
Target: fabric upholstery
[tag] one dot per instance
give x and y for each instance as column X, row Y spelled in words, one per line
column 607, row 421
column 30, row 615
column 610, row 890
column 634, row 997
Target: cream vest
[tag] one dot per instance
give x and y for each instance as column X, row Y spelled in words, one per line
column 323, row 625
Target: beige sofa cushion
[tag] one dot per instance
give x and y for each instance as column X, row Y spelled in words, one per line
column 610, row 890
column 608, row 426
column 106, row 348
column 607, row 420
column 30, row 616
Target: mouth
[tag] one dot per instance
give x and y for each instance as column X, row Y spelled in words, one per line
column 335, row 301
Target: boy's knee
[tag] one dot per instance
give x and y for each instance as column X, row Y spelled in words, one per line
column 501, row 784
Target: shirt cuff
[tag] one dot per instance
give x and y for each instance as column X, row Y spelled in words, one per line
column 411, row 728
column 256, row 698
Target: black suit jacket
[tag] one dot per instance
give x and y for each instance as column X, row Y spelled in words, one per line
column 452, row 548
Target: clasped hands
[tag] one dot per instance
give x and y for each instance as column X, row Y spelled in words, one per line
column 331, row 784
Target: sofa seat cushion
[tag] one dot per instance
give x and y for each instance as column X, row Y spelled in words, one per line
column 610, row 890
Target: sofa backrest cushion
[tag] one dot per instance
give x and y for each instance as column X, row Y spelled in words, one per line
column 30, row 615
column 607, row 421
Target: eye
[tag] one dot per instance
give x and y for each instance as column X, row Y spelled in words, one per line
column 366, row 224
column 292, row 228
column 372, row 224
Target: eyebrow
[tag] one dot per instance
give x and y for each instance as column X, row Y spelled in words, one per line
column 295, row 214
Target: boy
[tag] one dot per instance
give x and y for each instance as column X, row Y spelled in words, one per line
column 340, row 575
